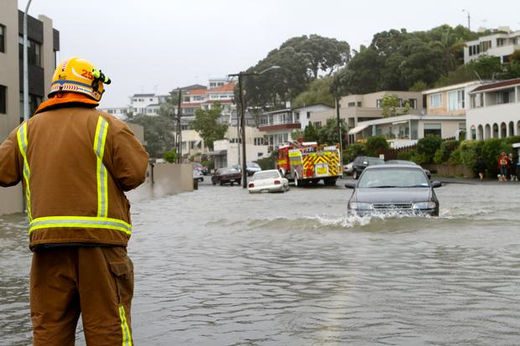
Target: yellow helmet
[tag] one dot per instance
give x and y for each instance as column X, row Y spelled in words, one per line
column 79, row 76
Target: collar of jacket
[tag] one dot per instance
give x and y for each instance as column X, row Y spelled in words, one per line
column 60, row 100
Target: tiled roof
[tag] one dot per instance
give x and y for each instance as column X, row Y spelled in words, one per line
column 227, row 87
column 197, row 92
column 498, row 85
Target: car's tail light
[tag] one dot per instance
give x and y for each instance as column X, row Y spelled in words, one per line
column 251, row 185
column 277, row 182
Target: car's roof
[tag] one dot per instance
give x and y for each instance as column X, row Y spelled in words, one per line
column 267, row 170
column 393, row 166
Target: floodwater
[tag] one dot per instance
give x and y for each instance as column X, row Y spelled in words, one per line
column 221, row 267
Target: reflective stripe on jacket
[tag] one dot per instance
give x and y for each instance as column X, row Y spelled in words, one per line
column 75, row 163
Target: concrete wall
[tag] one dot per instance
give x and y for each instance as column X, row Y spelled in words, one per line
column 168, row 179
column 11, row 200
column 9, row 67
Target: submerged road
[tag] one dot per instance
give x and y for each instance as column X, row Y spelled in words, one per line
column 221, row 267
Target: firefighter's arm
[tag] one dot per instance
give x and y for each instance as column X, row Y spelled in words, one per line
column 129, row 159
column 10, row 167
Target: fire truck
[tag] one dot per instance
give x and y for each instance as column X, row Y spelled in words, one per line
column 308, row 163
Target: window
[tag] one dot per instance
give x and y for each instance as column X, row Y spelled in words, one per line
column 485, row 45
column 432, row 129
column 455, row 100
column 359, row 104
column 34, row 51
column 412, row 103
column 476, row 101
column 3, row 99
column 34, row 102
column 351, row 104
column 2, row 38
column 378, row 103
column 506, row 96
column 436, row 100
column 308, row 115
column 501, row 42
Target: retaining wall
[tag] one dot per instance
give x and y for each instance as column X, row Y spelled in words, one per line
column 168, row 179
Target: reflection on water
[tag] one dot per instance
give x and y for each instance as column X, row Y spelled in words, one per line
column 221, row 267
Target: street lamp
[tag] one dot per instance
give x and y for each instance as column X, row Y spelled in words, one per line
column 240, row 76
column 469, row 18
column 25, row 66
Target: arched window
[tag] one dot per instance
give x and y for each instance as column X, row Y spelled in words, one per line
column 495, row 130
column 487, row 134
column 511, row 129
column 473, row 134
column 503, row 130
column 480, row 133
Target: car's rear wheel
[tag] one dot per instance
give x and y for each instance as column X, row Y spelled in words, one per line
column 239, row 182
column 221, row 183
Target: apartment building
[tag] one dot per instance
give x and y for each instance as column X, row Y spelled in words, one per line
column 43, row 43
column 501, row 45
column 494, row 110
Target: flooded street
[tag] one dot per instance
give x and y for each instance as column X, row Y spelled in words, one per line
column 221, row 267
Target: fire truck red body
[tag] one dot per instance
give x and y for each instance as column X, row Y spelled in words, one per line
column 308, row 163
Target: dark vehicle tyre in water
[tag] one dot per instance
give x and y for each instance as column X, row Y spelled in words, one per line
column 355, row 175
column 330, row 181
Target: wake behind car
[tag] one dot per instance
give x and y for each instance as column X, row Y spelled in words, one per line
column 389, row 189
column 226, row 176
column 362, row 162
column 269, row 181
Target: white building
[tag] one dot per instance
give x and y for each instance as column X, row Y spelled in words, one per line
column 494, row 110
column 501, row 45
column 303, row 114
column 228, row 152
column 146, row 104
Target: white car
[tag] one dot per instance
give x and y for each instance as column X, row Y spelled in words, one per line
column 197, row 175
column 270, row 181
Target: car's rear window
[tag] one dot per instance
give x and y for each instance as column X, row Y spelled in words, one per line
column 393, row 177
column 266, row 175
column 375, row 161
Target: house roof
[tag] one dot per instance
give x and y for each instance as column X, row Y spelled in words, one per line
column 197, row 91
column 226, row 87
column 498, row 85
column 313, row 105
column 143, row 95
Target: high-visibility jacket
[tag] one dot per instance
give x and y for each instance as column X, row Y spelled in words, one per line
column 75, row 163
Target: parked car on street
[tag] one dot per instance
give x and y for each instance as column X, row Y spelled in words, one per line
column 405, row 162
column 251, row 168
column 348, row 168
column 203, row 169
column 197, row 175
column 402, row 189
column 227, row 175
column 269, row 180
column 362, row 162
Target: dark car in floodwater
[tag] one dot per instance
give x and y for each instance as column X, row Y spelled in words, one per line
column 362, row 162
column 389, row 189
column 226, row 176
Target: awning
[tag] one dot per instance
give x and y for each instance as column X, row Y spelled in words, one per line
column 400, row 122
column 357, row 129
column 218, row 153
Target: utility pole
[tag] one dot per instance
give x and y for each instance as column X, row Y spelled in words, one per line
column 240, row 76
column 179, row 128
column 340, row 135
column 26, row 114
column 238, row 138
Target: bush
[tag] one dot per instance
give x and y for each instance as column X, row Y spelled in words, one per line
column 491, row 151
column 406, row 155
column 170, row 156
column 427, row 146
column 375, row 145
column 443, row 154
column 268, row 162
column 209, row 163
column 355, row 150
column 420, row 159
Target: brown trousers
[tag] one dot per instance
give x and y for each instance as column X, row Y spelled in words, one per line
column 97, row 282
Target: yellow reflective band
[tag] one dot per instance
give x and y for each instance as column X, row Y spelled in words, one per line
column 127, row 336
column 80, row 222
column 101, row 171
column 21, row 135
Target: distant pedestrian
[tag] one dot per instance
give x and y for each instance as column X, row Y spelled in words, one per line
column 481, row 167
column 512, row 168
column 503, row 165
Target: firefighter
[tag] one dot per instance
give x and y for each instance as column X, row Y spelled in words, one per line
column 75, row 163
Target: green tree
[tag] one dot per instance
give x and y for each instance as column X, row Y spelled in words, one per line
column 207, row 125
column 158, row 133
column 310, row 134
column 170, row 156
column 426, row 148
column 354, row 150
column 318, row 91
column 376, row 144
column 328, row 134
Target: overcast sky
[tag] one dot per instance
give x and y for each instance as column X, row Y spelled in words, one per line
column 157, row 45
